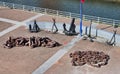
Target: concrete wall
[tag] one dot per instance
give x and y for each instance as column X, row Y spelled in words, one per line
column 101, row 33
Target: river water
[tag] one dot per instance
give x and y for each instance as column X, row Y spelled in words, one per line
column 90, row 7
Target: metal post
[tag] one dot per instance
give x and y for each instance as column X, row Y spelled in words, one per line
column 70, row 15
column 98, row 20
column 4, row 4
column 113, row 23
column 23, row 7
column 13, row 6
column 96, row 32
column 57, row 13
column 90, row 29
column 34, row 9
column 86, row 30
column 81, row 18
column 45, row 11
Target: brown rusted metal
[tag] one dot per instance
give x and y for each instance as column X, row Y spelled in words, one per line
column 31, row 42
column 93, row 58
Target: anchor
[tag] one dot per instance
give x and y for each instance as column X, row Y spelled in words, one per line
column 35, row 27
column 112, row 39
column 54, row 25
column 88, row 35
column 71, row 31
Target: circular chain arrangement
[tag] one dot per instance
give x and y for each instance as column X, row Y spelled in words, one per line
column 93, row 58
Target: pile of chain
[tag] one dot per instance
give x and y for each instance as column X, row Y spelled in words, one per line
column 93, row 58
column 32, row 42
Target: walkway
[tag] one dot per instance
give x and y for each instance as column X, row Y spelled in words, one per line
column 16, row 24
column 51, row 61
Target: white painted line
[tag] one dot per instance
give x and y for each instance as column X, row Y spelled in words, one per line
column 9, row 21
column 17, row 24
column 33, row 18
column 9, row 30
column 51, row 61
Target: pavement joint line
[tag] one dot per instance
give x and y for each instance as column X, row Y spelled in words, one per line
column 9, row 21
column 9, row 30
column 58, row 55
column 32, row 18
column 17, row 24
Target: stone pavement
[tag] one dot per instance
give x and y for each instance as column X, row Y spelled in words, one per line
column 4, row 25
column 14, row 14
column 17, row 24
column 64, row 65
column 9, row 30
column 46, row 18
column 58, row 55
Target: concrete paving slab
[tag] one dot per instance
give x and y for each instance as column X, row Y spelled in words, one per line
column 13, row 14
column 4, row 25
column 24, row 60
column 64, row 66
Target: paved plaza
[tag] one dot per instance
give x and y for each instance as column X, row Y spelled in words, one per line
column 41, row 60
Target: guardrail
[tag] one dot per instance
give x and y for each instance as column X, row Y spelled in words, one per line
column 61, row 13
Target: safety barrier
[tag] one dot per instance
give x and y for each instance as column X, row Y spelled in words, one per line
column 61, row 13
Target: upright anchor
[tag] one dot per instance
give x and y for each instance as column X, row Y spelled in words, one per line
column 112, row 41
column 35, row 27
column 54, row 25
column 71, row 30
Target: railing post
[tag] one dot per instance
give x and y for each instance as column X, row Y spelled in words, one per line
column 113, row 23
column 4, row 4
column 57, row 13
column 23, row 7
column 70, row 15
column 34, row 9
column 98, row 20
column 13, row 6
column 83, row 17
column 45, row 11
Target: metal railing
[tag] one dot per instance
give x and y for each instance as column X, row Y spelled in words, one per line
column 60, row 13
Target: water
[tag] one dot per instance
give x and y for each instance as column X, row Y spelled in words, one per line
column 90, row 7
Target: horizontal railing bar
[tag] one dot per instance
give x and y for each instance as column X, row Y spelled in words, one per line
column 60, row 13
